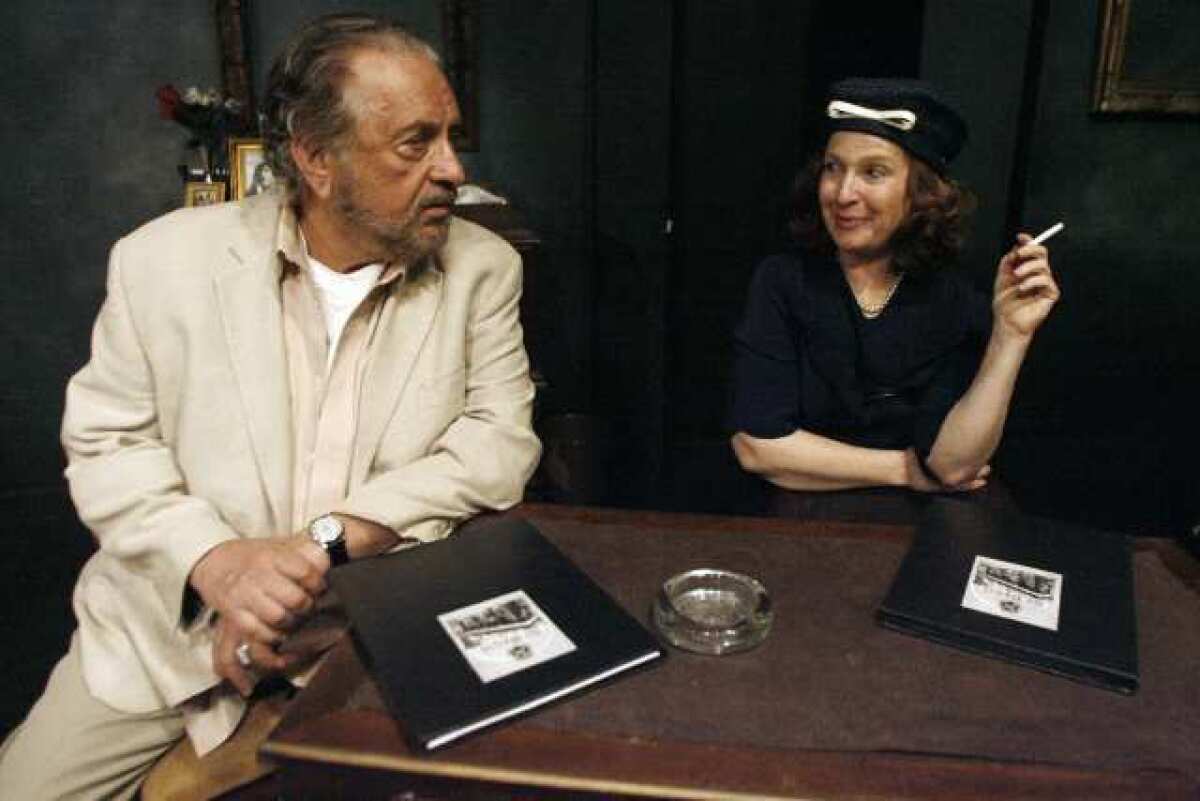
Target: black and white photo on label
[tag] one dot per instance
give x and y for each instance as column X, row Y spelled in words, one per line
column 1026, row 594
column 505, row 634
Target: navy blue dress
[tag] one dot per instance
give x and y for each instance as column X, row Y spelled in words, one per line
column 805, row 357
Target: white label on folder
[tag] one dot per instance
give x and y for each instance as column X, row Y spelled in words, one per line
column 504, row 635
column 1024, row 594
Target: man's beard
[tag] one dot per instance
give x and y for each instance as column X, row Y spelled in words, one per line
column 394, row 241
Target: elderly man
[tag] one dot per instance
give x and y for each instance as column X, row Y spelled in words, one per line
column 326, row 371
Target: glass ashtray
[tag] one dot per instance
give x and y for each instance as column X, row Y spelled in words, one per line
column 712, row 611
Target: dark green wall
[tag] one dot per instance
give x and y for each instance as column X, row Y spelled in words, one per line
column 85, row 160
column 536, row 150
column 952, row 41
column 1106, row 420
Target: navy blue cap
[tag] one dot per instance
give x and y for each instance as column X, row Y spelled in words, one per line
column 907, row 112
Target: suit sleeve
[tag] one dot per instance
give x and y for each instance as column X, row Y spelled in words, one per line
column 484, row 457
column 123, row 478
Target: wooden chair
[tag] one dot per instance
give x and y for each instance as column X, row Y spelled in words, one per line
column 234, row 771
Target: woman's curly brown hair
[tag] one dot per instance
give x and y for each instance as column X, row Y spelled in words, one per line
column 930, row 238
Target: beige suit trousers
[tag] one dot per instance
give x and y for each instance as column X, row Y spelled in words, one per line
column 72, row 747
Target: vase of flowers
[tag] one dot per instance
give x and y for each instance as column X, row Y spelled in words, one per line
column 210, row 119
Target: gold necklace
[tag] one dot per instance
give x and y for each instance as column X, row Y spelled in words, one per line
column 874, row 310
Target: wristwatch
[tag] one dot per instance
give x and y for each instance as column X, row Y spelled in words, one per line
column 329, row 533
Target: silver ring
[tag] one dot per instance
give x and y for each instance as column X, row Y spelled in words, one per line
column 242, row 652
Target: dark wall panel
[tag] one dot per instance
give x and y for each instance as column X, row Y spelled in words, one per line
column 1108, row 398
column 269, row 23
column 535, row 149
column 741, row 80
column 989, row 96
column 632, row 207
column 86, row 160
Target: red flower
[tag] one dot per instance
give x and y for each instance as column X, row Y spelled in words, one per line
column 168, row 101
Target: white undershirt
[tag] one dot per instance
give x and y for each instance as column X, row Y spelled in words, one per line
column 340, row 294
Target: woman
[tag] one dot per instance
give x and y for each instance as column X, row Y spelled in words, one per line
column 866, row 360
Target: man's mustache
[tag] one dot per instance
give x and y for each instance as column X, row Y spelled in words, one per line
column 437, row 199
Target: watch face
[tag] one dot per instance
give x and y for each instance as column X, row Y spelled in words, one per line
column 326, row 530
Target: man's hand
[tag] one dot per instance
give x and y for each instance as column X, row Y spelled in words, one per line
column 261, row 589
column 263, row 658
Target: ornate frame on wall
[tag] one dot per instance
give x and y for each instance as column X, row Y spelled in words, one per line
column 460, row 56
column 1116, row 91
column 235, row 60
column 460, row 60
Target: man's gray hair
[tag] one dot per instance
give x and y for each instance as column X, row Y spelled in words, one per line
column 304, row 87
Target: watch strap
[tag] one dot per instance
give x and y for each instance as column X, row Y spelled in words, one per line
column 338, row 555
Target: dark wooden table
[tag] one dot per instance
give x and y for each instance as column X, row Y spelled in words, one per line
column 830, row 707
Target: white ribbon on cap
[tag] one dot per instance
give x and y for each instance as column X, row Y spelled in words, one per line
column 900, row 118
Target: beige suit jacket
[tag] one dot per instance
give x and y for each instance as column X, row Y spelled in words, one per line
column 178, row 430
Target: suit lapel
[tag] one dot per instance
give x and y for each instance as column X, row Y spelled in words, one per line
column 405, row 321
column 247, row 288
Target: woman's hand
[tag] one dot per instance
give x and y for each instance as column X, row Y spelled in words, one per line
column 1025, row 289
column 920, row 480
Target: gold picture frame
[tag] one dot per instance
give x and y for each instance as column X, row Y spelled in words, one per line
column 203, row 193
column 249, row 172
column 1147, row 61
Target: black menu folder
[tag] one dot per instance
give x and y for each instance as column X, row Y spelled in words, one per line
column 1036, row 592
column 488, row 624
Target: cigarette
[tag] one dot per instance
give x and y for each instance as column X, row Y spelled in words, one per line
column 1044, row 235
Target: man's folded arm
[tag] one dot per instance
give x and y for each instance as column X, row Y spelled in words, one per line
column 485, row 456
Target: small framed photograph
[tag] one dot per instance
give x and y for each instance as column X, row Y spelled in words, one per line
column 249, row 172
column 203, row 193
column 1025, row 594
